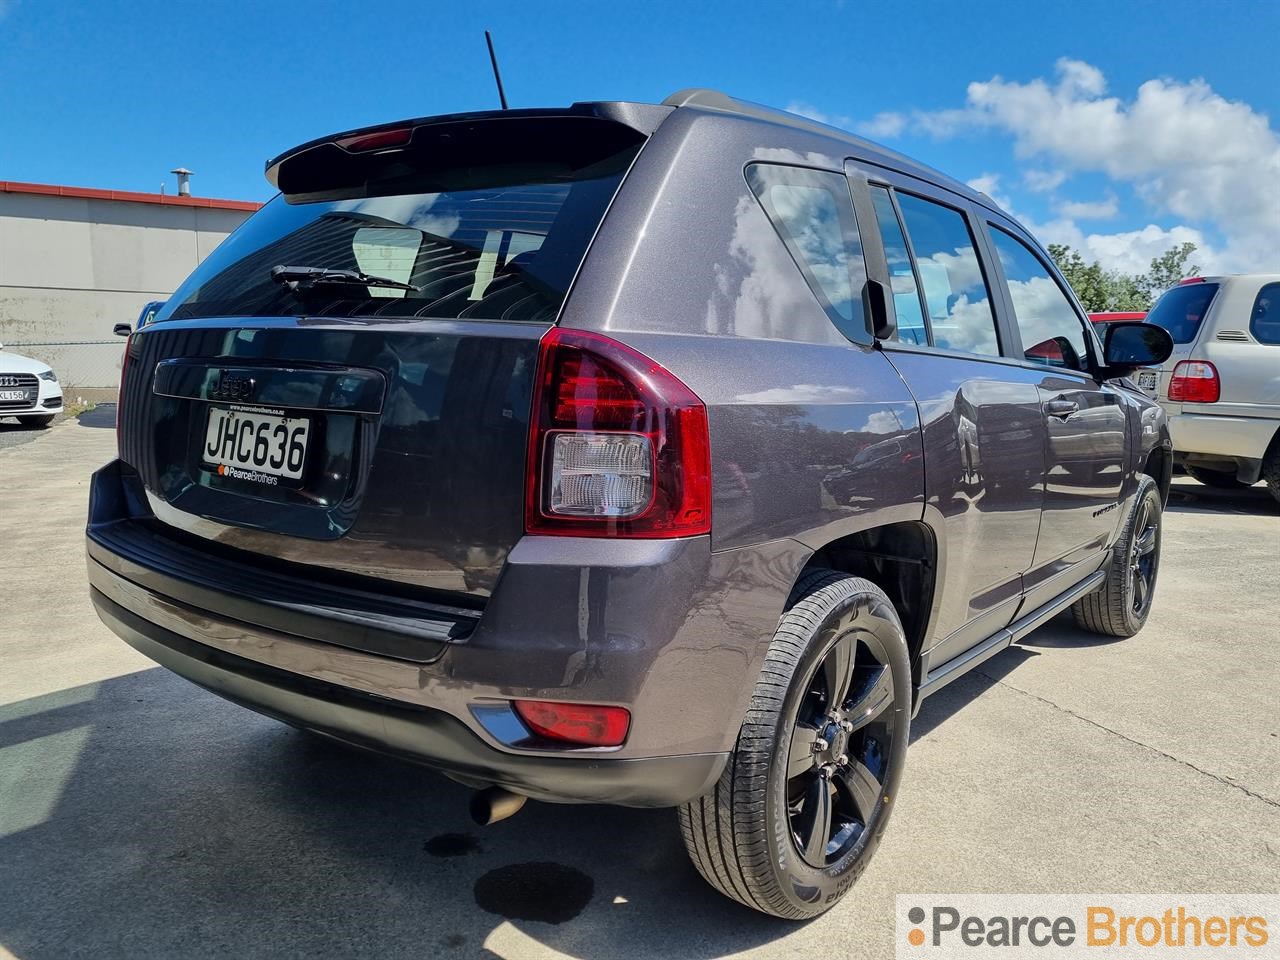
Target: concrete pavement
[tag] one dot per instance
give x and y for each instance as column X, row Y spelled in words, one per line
column 142, row 817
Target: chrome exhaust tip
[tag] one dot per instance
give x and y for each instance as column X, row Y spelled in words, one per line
column 492, row 804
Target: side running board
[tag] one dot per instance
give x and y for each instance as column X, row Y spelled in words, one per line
column 943, row 674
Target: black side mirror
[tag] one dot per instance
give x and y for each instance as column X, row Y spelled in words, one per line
column 881, row 322
column 122, row 329
column 1131, row 345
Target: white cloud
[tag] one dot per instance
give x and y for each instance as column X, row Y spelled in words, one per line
column 803, row 109
column 988, row 183
column 884, row 125
column 1187, row 151
column 1134, row 250
column 1089, row 209
column 1131, row 251
column 1043, row 181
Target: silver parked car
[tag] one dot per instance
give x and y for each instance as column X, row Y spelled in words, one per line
column 1221, row 385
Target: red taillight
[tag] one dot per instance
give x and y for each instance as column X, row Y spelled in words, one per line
column 1195, row 381
column 124, row 372
column 618, row 447
column 578, row 723
column 377, row 140
column 1184, row 282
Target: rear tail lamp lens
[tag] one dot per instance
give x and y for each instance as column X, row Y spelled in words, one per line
column 1195, row 381
column 581, row 724
column 618, row 446
column 600, row 474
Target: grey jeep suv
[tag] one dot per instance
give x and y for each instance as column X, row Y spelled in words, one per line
column 658, row 455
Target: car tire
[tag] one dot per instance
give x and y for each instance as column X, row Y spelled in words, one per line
column 1120, row 607
column 1271, row 468
column 38, row 422
column 803, row 762
column 1217, row 479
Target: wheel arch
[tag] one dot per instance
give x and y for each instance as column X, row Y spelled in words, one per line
column 1159, row 467
column 901, row 558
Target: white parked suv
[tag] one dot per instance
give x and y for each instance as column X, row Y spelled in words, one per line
column 29, row 390
column 1221, row 385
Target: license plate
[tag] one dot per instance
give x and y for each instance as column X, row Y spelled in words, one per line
column 256, row 445
column 13, row 394
column 1148, row 379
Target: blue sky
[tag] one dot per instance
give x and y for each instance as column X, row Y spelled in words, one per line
column 1118, row 126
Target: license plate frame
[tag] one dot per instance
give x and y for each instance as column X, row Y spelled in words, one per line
column 260, row 454
column 12, row 396
column 1148, row 380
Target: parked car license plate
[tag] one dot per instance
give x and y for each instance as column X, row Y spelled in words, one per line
column 256, row 445
column 1148, row 379
column 13, row 394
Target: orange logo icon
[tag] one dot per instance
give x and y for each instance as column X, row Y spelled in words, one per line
column 916, row 936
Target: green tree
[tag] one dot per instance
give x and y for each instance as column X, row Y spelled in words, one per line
column 1086, row 279
column 1167, row 269
column 1102, row 290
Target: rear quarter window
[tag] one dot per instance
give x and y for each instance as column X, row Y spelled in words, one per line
column 812, row 212
column 1181, row 310
column 1264, row 319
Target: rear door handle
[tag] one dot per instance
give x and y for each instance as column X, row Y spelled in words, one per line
column 1061, row 408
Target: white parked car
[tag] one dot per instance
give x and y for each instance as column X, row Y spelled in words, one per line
column 29, row 390
column 1221, row 386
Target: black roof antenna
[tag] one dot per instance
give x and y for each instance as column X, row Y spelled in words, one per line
column 493, row 59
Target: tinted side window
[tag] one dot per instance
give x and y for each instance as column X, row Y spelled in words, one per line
column 813, row 214
column 1264, row 320
column 955, row 291
column 1181, row 309
column 902, row 278
column 1051, row 330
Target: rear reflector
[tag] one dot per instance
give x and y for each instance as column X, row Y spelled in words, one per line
column 618, row 447
column 582, row 724
column 1195, row 381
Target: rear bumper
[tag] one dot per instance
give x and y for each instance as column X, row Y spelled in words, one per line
column 415, row 733
column 547, row 634
column 1213, row 435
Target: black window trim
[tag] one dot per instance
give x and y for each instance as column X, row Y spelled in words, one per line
column 915, row 271
column 931, row 193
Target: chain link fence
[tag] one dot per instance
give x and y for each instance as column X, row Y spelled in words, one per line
column 89, row 370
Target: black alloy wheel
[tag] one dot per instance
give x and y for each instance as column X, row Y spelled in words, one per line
column 840, row 744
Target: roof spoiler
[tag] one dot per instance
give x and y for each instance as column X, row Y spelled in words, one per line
column 641, row 119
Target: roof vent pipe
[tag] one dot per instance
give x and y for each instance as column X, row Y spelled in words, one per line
column 184, row 181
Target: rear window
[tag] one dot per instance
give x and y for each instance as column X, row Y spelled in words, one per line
column 504, row 245
column 1264, row 321
column 1182, row 308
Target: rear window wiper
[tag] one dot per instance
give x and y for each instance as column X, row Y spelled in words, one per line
column 304, row 278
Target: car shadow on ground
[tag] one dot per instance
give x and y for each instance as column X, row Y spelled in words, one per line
column 144, row 817
column 956, row 695
column 102, row 415
column 1189, row 496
